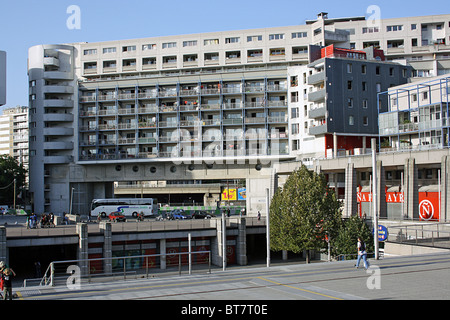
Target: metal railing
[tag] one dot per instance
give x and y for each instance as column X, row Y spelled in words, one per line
column 115, row 268
column 432, row 235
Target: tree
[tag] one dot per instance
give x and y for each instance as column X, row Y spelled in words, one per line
column 304, row 213
column 350, row 230
column 10, row 170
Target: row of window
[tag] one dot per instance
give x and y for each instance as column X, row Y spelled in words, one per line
column 212, row 56
column 194, row 43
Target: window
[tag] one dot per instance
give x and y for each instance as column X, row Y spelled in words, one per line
column 277, row 36
column 110, row 64
column 391, row 72
column 413, row 26
column 149, row 61
column 377, row 70
column 214, row 56
column 298, row 35
column 394, row 28
column 192, row 43
column 294, row 113
column 363, row 69
column 294, row 96
column 128, row 48
column 295, row 128
column 90, row 51
column 365, row 104
column 208, row 42
column 148, row 47
column 351, row 120
column 277, row 52
column 129, row 62
column 414, row 42
column 349, row 85
column 365, row 121
column 254, row 38
column 294, row 81
column 370, row 30
column 349, row 68
column 233, row 55
column 168, row 45
column 232, row 40
column 90, row 65
column 364, row 86
column 109, row 50
column 254, row 53
column 350, row 102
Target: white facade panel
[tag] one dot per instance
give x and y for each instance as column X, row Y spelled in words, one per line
column 2, row 78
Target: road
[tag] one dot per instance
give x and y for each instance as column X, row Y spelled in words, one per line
column 424, row 277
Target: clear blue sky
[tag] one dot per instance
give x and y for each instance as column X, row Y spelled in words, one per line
column 25, row 23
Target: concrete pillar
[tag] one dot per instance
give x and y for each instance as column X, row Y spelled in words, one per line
column 445, row 188
column 411, row 190
column 381, row 185
column 241, row 245
column 82, row 232
column 3, row 247
column 350, row 191
column 162, row 250
column 217, row 245
column 335, row 145
column 106, row 228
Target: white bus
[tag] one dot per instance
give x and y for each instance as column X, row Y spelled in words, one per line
column 128, row 207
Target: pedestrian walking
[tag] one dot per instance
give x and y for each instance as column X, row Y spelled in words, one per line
column 362, row 254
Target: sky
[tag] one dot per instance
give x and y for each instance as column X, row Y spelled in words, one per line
column 25, row 23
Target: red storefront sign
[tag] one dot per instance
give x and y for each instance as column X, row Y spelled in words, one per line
column 429, row 208
column 391, row 197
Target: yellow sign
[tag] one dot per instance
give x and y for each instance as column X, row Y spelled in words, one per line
column 229, row 194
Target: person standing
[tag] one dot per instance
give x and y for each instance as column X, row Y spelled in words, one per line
column 361, row 247
column 7, row 274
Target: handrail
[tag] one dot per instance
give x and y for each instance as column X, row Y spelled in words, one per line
column 49, row 276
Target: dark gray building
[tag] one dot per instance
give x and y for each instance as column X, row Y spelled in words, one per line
column 334, row 100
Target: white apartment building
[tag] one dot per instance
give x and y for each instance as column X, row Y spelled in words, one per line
column 2, row 78
column 190, row 99
column 14, row 134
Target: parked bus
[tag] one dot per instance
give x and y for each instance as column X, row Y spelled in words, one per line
column 128, row 207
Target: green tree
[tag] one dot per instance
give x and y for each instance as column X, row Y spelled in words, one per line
column 347, row 238
column 10, row 170
column 304, row 213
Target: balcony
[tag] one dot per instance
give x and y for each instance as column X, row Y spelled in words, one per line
column 58, row 103
column 317, row 112
column 57, row 131
column 318, row 130
column 58, row 159
column 317, row 95
column 58, row 117
column 58, row 89
column 51, row 61
column 58, row 145
column 316, row 78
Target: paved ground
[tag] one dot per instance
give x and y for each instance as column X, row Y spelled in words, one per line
column 400, row 278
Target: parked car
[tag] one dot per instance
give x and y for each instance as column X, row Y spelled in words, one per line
column 117, row 216
column 201, row 215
